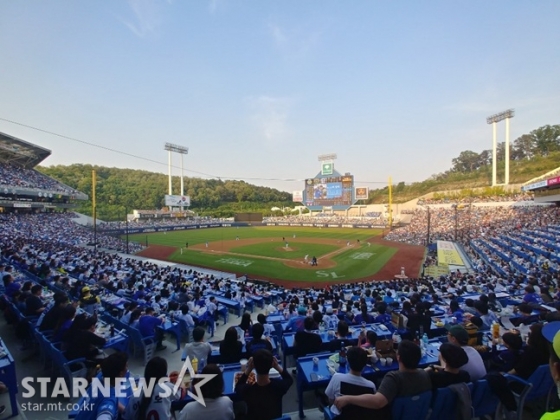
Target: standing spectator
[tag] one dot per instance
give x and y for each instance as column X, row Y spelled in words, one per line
column 258, row 342
column 33, row 304
column 264, row 397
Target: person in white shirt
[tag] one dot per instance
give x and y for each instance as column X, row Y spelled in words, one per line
column 475, row 367
column 217, row 406
column 357, row 360
column 183, row 314
column 153, row 405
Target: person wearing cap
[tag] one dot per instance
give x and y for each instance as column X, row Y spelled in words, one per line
column 330, row 319
column 458, row 335
column 88, row 301
column 452, row 358
column 296, row 322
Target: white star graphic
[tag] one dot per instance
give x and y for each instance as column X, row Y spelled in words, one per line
column 204, row 378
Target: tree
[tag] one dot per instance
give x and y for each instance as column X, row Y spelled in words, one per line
column 523, row 148
column 546, row 139
column 467, row 161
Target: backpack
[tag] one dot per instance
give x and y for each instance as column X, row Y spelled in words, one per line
column 473, row 334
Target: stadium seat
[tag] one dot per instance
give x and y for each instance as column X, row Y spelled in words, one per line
column 538, row 386
column 412, row 407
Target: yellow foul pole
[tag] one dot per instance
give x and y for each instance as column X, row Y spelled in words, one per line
column 390, row 203
column 94, row 205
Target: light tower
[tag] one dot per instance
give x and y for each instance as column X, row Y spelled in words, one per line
column 493, row 119
column 174, row 148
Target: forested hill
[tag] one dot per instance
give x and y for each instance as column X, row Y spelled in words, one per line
column 118, row 189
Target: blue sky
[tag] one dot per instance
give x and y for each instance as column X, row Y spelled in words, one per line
column 258, row 89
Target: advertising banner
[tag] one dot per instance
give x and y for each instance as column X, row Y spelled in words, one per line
column 447, row 253
column 297, row 196
column 362, row 193
column 177, row 201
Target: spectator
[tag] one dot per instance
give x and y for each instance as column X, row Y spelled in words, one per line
column 258, row 342
column 81, row 340
column 408, row 380
column 153, row 406
column 452, row 358
column 296, row 323
column 33, row 304
column 264, row 397
column 231, row 348
column 357, row 360
column 459, row 336
column 246, row 324
column 217, row 406
column 342, row 339
column 268, row 329
column 148, row 323
column 198, row 349
column 108, row 408
column 306, row 341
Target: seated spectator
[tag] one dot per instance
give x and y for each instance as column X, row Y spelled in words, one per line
column 88, row 302
column 81, row 340
column 459, row 336
column 258, row 342
column 268, row 329
column 504, row 361
column 113, row 368
column 10, row 285
column 488, row 317
column 363, row 316
column 296, row 323
column 531, row 297
column 264, row 397
column 342, row 339
column 64, row 323
column 183, row 314
column 153, row 406
column 408, row 380
column 33, row 304
column 452, row 358
column 231, row 348
column 246, row 324
column 147, row 325
column 357, row 360
column 456, row 311
column 306, row 341
column 368, row 340
column 330, row 319
column 217, row 406
column 50, row 318
column 199, row 348
column 128, row 309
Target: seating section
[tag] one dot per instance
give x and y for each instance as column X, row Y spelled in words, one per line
column 16, row 176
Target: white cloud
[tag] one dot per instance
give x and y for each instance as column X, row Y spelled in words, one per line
column 294, row 43
column 147, row 17
column 270, row 116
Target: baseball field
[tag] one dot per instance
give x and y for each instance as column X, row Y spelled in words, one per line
column 284, row 254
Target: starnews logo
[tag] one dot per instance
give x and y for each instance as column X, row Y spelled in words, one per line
column 124, row 387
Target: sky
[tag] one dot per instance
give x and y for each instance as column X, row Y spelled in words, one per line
column 258, row 89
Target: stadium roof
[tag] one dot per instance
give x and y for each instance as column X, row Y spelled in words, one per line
column 544, row 177
column 21, row 152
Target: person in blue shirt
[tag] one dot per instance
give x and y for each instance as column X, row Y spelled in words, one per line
column 531, row 297
column 383, row 317
column 456, row 311
column 148, row 324
column 107, row 407
column 296, row 323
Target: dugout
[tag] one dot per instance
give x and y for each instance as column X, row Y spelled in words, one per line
column 248, row 217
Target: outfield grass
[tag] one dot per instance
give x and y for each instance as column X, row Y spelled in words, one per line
column 268, row 257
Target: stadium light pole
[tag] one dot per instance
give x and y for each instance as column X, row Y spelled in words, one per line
column 175, row 148
column 126, row 221
column 455, row 207
column 494, row 119
column 428, row 233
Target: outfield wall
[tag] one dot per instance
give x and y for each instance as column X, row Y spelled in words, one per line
column 237, row 224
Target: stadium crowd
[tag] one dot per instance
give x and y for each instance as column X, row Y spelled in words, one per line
column 15, row 176
column 46, row 245
column 520, row 196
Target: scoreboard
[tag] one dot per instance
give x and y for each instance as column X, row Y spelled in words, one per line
column 336, row 191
